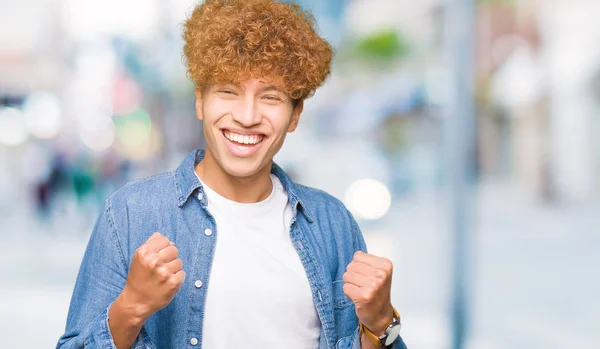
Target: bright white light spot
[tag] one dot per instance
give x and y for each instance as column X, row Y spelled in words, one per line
column 519, row 82
column 368, row 199
column 88, row 19
column 98, row 135
column 13, row 130
column 42, row 115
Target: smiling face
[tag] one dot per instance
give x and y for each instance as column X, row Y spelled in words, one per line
column 245, row 125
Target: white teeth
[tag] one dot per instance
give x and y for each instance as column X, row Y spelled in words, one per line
column 254, row 139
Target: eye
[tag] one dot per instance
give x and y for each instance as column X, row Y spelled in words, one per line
column 272, row 98
column 228, row 92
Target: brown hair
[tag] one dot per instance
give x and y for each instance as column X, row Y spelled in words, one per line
column 237, row 40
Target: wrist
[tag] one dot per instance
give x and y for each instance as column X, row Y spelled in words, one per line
column 125, row 321
column 381, row 333
column 136, row 312
column 378, row 327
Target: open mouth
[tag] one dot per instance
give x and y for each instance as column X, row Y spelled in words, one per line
column 243, row 140
column 243, row 145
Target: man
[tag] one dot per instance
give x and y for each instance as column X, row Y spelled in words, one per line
column 226, row 251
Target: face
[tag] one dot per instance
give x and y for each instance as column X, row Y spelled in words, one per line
column 245, row 124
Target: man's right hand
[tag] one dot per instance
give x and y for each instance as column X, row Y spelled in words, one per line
column 155, row 276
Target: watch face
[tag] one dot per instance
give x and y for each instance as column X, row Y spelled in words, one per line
column 393, row 334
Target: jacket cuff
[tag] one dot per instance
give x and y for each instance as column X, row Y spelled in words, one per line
column 98, row 335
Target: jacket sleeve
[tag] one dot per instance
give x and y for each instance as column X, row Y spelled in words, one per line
column 100, row 280
column 359, row 244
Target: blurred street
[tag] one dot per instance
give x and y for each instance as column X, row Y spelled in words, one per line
column 520, row 302
column 95, row 94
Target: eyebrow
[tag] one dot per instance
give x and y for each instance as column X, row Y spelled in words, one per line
column 266, row 89
column 271, row 88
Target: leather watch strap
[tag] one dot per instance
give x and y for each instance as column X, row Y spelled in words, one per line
column 373, row 338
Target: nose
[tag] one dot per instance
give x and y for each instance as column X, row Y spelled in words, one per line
column 247, row 114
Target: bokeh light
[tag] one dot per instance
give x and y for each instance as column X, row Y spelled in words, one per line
column 43, row 115
column 134, row 135
column 98, row 135
column 13, row 130
column 368, row 199
column 88, row 19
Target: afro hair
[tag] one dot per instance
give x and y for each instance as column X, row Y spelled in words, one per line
column 238, row 40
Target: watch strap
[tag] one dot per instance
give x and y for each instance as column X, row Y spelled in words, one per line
column 372, row 337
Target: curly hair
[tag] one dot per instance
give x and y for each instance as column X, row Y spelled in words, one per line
column 237, row 40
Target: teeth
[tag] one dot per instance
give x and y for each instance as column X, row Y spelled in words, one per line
column 254, row 139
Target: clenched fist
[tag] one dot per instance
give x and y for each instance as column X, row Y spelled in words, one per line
column 155, row 275
column 368, row 283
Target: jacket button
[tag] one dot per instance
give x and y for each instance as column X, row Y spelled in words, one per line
column 194, row 341
column 208, row 232
column 198, row 283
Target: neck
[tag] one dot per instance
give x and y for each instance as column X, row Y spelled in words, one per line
column 251, row 189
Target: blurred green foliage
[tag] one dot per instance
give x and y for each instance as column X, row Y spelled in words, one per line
column 386, row 44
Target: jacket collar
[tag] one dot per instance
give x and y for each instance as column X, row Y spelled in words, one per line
column 186, row 184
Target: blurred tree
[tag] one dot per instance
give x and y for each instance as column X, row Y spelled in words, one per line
column 386, row 44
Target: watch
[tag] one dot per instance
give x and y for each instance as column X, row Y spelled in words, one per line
column 392, row 332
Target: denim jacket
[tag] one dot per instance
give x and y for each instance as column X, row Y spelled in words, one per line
column 323, row 233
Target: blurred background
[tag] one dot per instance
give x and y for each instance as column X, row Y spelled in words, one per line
column 94, row 94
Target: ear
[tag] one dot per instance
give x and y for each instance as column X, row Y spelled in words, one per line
column 296, row 116
column 198, row 93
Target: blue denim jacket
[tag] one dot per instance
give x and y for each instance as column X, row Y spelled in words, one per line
column 323, row 232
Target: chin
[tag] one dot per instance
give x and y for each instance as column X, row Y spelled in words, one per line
column 241, row 169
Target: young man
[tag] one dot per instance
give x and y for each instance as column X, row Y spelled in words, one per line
column 226, row 251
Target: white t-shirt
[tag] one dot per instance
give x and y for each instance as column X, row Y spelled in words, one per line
column 258, row 293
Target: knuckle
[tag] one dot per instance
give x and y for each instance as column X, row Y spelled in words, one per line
column 163, row 273
column 368, row 295
column 346, row 288
column 173, row 283
column 387, row 264
column 180, row 280
column 142, row 251
column 151, row 261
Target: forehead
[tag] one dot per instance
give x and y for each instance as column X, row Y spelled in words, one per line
column 255, row 83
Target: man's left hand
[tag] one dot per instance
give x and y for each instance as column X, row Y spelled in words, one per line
column 368, row 282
